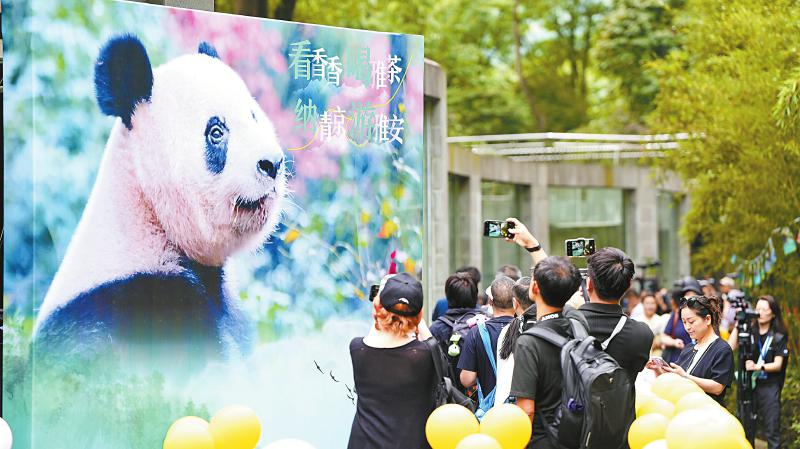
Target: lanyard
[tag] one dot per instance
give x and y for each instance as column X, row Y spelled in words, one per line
column 763, row 351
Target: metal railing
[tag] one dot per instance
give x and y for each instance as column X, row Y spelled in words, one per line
column 553, row 147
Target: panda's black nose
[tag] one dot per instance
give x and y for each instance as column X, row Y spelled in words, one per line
column 269, row 168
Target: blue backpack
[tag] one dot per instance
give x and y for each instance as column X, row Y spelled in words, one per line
column 486, row 402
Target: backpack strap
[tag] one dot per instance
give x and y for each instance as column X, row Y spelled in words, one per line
column 446, row 320
column 548, row 335
column 617, row 329
column 436, row 354
column 487, row 345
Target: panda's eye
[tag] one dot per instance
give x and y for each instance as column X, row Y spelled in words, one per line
column 217, row 133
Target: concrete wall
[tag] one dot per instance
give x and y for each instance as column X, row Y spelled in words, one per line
column 436, row 248
column 643, row 182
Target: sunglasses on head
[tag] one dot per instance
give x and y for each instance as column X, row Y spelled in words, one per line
column 692, row 300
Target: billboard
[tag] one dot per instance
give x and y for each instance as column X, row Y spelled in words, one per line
column 196, row 205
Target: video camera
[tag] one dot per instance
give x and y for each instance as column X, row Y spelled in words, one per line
column 744, row 313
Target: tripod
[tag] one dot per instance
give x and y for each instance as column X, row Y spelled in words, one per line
column 745, row 408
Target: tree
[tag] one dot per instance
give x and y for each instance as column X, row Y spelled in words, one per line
column 736, row 82
column 632, row 35
column 284, row 10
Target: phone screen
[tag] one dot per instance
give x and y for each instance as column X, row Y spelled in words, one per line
column 497, row 228
column 579, row 247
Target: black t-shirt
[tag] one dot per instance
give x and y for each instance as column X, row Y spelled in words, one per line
column 473, row 355
column 537, row 376
column 716, row 363
column 777, row 348
column 395, row 395
column 630, row 347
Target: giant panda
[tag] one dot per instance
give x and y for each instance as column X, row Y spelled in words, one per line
column 192, row 173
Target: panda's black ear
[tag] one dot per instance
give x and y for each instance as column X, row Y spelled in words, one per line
column 122, row 77
column 207, row 49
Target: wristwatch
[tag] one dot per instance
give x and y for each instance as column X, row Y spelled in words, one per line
column 534, row 249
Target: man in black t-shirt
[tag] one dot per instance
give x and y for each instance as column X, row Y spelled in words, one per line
column 610, row 272
column 474, row 361
column 537, row 381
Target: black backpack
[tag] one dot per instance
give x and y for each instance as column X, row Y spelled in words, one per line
column 459, row 328
column 444, row 391
column 596, row 393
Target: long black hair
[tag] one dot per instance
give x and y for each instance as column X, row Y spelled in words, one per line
column 777, row 325
column 521, row 293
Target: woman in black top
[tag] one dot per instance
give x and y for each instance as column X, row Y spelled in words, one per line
column 708, row 361
column 393, row 371
column 768, row 366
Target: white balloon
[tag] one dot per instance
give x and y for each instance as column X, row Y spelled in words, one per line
column 5, row 435
column 290, row 443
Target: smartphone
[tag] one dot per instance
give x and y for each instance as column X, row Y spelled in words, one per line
column 497, row 229
column 580, row 247
column 659, row 361
column 373, row 291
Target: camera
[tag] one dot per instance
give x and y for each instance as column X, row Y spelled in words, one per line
column 580, row 247
column 742, row 307
column 497, row 229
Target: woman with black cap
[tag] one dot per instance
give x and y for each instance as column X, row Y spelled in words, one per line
column 393, row 371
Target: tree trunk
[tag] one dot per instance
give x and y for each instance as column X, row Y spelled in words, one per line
column 285, row 9
column 587, row 42
column 523, row 85
column 256, row 8
column 572, row 51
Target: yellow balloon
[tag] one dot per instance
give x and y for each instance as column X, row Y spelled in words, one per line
column 479, row 441
column 657, row 405
column 189, row 433
column 693, row 401
column 509, row 425
column 709, row 428
column 662, row 387
column 744, row 444
column 657, row 444
column 641, row 398
column 646, row 429
column 680, row 389
column 235, row 427
column 448, row 425
column 189, row 420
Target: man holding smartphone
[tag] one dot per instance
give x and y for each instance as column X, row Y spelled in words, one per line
column 610, row 272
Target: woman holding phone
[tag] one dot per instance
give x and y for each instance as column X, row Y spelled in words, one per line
column 708, row 361
column 393, row 370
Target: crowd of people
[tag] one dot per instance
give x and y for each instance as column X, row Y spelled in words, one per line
column 499, row 342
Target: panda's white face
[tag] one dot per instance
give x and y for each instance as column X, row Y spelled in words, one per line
column 208, row 159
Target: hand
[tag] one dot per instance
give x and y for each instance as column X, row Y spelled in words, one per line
column 521, row 235
column 679, row 343
column 750, row 365
column 656, row 367
column 675, row 368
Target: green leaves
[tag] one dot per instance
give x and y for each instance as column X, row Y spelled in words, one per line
column 735, row 81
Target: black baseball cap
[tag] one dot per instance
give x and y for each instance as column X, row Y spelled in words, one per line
column 402, row 289
column 691, row 285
